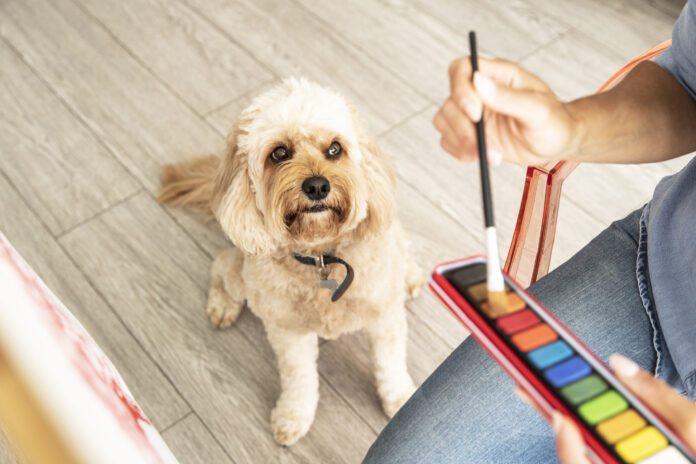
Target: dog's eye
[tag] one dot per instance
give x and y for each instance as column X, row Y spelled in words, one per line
column 334, row 150
column 280, row 154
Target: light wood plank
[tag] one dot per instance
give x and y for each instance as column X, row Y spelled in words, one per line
column 295, row 43
column 434, row 238
column 672, row 8
column 511, row 30
column 199, row 63
column 65, row 174
column 192, row 443
column 229, row 380
column 610, row 192
column 151, row 389
column 140, row 121
column 224, row 117
column 628, row 27
column 398, row 36
column 571, row 65
column 7, row 454
column 136, row 117
column 674, row 165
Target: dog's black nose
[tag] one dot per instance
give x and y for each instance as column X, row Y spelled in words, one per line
column 316, row 188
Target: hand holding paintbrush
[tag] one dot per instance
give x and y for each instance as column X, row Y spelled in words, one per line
column 497, row 298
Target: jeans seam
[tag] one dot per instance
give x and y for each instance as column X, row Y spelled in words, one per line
column 690, row 385
column 644, row 291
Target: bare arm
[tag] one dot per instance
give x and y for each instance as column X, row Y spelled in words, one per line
column 648, row 117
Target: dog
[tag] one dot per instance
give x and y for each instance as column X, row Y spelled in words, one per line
column 307, row 199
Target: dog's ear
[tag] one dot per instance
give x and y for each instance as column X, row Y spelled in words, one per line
column 234, row 202
column 381, row 182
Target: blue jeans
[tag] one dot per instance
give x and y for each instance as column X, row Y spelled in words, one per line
column 467, row 412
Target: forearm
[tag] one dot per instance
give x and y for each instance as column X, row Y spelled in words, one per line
column 648, row 117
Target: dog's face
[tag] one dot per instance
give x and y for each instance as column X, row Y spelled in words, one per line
column 299, row 174
column 311, row 180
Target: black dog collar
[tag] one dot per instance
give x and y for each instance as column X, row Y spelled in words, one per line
column 321, row 262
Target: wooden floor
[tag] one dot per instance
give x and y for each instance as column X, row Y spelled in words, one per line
column 96, row 96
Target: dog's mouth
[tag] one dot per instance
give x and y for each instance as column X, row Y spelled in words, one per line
column 314, row 209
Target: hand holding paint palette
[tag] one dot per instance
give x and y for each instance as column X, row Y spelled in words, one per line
column 557, row 371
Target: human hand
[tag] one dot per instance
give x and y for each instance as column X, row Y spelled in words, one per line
column 525, row 122
column 677, row 411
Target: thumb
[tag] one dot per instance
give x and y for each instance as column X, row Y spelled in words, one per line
column 522, row 104
column 663, row 399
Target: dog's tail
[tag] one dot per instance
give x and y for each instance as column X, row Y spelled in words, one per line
column 190, row 184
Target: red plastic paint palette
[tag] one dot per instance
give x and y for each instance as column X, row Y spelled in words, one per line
column 557, row 370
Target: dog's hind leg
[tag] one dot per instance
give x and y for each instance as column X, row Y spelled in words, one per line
column 226, row 294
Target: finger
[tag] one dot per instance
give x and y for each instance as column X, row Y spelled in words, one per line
column 463, row 139
column 440, row 123
column 663, row 399
column 523, row 104
column 456, row 151
column 569, row 443
column 462, row 90
column 446, row 131
column 452, row 125
column 510, row 74
column 459, row 122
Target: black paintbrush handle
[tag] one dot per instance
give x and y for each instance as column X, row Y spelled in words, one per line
column 481, row 141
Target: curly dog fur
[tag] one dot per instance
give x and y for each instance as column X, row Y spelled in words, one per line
column 255, row 191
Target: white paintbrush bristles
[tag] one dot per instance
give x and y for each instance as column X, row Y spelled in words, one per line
column 497, row 298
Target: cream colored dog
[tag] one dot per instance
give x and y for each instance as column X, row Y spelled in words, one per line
column 301, row 177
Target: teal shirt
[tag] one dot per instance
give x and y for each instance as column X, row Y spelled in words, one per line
column 670, row 218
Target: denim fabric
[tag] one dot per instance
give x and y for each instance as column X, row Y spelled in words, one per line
column 671, row 225
column 466, row 411
column 664, row 365
column 680, row 59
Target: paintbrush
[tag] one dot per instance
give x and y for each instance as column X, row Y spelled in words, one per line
column 497, row 298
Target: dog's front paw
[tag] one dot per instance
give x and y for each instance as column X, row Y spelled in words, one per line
column 222, row 310
column 289, row 425
column 392, row 402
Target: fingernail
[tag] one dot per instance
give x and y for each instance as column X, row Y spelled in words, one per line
column 556, row 421
column 623, row 366
column 495, row 158
column 472, row 108
column 484, row 85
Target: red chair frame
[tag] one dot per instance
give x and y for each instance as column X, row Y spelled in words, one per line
column 529, row 256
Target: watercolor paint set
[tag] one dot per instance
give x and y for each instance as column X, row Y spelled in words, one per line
column 556, row 370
